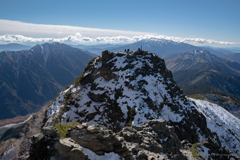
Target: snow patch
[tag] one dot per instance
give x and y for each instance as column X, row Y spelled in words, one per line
column 106, row 156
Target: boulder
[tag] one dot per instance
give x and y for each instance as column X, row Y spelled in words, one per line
column 69, row 149
column 49, row 131
column 96, row 138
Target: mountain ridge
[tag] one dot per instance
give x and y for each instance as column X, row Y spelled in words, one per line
column 161, row 48
column 126, row 105
column 33, row 77
column 205, row 73
column 135, row 86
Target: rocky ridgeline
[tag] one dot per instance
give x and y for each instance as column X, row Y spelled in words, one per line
column 154, row 139
column 151, row 141
column 119, row 89
column 125, row 92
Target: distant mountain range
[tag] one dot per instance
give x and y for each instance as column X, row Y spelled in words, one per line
column 29, row 78
column 47, row 68
column 162, row 48
column 232, row 57
column 98, row 48
column 13, row 47
column 199, row 71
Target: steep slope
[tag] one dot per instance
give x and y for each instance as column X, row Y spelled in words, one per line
column 121, row 89
column 199, row 71
column 235, row 57
column 160, row 47
column 29, row 78
column 225, row 125
column 221, row 52
column 230, row 103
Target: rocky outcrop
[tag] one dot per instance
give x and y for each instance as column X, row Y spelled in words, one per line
column 154, row 140
column 119, row 90
column 69, row 149
column 96, row 138
column 115, row 83
column 154, row 136
column 42, row 144
column 219, row 152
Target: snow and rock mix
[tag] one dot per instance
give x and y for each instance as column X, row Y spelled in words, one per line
column 130, row 88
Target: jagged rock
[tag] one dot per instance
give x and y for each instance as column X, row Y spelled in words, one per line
column 152, row 140
column 116, row 82
column 131, row 88
column 154, row 137
column 218, row 152
column 37, row 137
column 69, row 149
column 49, row 131
column 185, row 144
column 96, row 138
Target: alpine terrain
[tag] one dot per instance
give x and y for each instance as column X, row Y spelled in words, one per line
column 129, row 107
column 161, row 47
column 235, row 57
column 30, row 78
column 199, row 71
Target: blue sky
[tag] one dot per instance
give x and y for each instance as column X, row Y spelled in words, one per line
column 208, row 19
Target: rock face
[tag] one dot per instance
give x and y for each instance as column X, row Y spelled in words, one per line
column 154, row 139
column 154, row 136
column 69, row 149
column 41, row 142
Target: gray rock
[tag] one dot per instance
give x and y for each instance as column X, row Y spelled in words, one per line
column 96, row 138
column 49, row 131
column 37, row 137
column 158, row 125
column 69, row 149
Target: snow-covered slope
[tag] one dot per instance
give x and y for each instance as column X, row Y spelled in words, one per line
column 116, row 84
column 219, row 120
column 118, row 89
column 204, row 54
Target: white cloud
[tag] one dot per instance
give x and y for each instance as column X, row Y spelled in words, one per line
column 58, row 31
column 13, row 31
column 78, row 39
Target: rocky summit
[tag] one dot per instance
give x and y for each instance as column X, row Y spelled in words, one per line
column 119, row 89
column 128, row 105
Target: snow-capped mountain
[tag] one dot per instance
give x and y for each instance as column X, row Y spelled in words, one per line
column 160, row 47
column 29, row 78
column 131, row 88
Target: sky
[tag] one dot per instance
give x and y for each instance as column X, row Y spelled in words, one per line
column 205, row 20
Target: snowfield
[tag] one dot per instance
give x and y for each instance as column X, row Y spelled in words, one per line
column 222, row 122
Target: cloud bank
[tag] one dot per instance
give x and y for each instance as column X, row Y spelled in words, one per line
column 13, row 31
column 79, row 39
